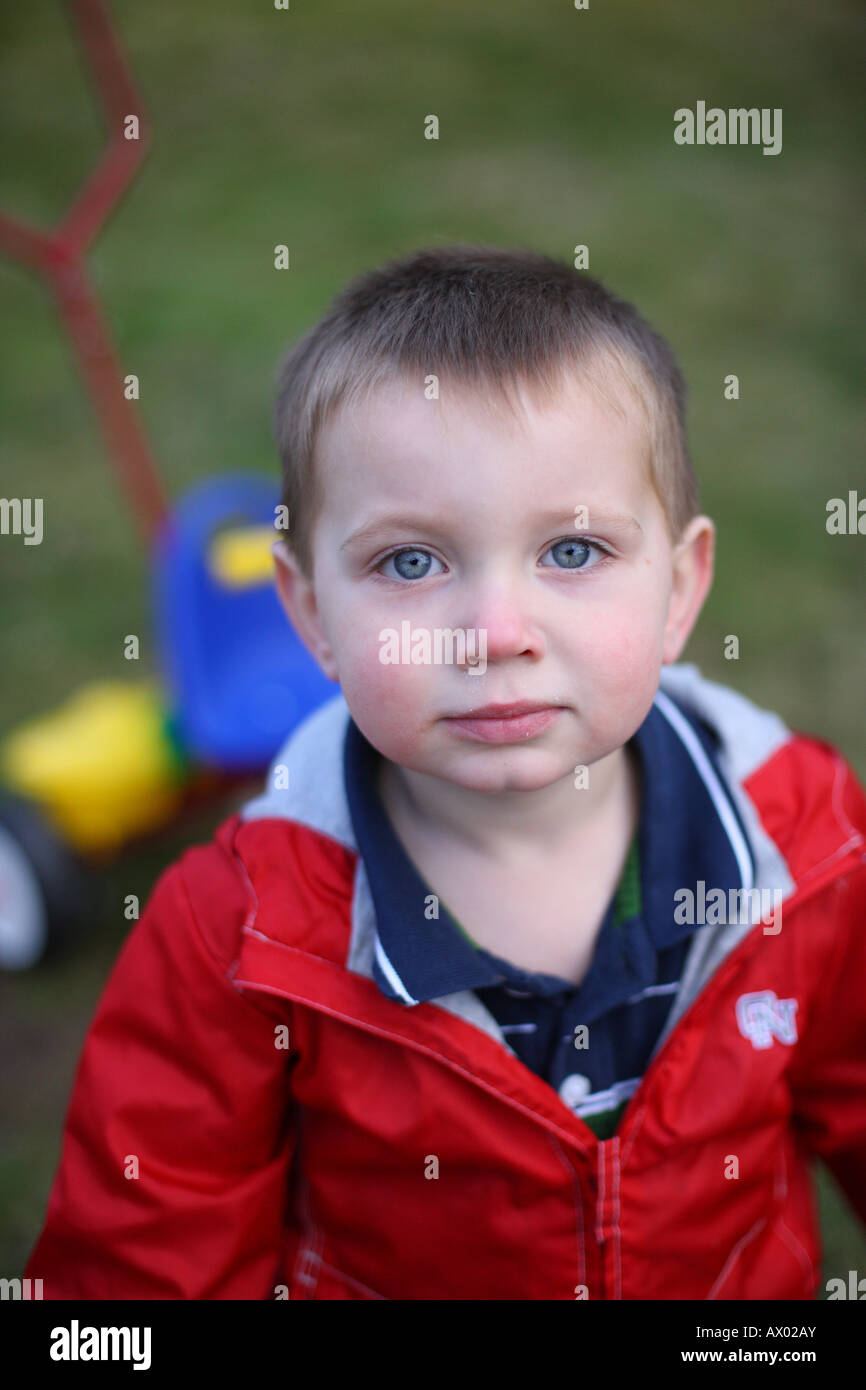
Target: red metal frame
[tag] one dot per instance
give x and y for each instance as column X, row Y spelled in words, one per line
column 58, row 256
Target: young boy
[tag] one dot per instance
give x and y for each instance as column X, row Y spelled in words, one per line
column 537, row 971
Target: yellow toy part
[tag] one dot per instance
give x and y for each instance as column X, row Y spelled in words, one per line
column 103, row 766
column 241, row 557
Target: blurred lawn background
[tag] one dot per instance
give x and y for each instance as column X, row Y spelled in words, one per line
column 306, row 127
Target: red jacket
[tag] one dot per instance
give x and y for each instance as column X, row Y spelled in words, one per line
column 252, row 1118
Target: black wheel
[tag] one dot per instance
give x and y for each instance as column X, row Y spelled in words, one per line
column 46, row 889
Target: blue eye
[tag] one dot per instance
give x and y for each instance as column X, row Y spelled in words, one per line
column 574, row 553
column 410, row 563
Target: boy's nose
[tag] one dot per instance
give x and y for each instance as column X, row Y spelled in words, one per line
column 504, row 616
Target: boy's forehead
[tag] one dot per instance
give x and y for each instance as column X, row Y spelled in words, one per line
column 473, row 450
column 399, row 426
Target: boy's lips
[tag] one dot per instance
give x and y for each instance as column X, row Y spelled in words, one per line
column 511, row 723
column 508, row 711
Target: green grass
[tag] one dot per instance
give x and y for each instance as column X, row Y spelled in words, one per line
column 306, row 128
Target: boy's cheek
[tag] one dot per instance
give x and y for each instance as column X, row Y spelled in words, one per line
column 616, row 675
column 387, row 695
column 618, row 648
column 392, row 723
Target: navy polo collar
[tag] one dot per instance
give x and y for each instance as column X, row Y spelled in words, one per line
column 689, row 829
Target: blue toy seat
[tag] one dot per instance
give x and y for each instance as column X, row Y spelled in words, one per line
column 238, row 673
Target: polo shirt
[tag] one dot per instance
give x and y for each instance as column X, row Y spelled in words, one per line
column 591, row 1042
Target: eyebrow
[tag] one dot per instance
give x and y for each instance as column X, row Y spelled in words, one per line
column 403, row 521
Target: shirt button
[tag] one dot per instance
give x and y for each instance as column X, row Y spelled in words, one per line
column 574, row 1088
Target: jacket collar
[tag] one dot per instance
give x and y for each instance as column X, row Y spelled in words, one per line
column 689, row 830
column 306, row 785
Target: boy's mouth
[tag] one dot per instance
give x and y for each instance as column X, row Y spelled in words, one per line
column 505, row 723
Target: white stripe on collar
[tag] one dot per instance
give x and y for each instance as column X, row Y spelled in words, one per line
column 719, row 797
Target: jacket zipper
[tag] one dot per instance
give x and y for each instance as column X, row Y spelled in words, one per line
column 735, row 961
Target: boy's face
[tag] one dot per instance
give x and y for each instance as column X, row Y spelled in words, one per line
column 579, row 618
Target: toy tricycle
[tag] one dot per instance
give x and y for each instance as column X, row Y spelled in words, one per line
column 121, row 759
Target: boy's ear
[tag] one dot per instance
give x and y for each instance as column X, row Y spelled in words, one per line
column 692, row 576
column 298, row 598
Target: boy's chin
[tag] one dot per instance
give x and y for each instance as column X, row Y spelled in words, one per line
column 499, row 770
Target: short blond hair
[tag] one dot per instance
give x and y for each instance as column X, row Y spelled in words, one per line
column 486, row 317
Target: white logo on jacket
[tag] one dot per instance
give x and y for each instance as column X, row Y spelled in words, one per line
column 762, row 1016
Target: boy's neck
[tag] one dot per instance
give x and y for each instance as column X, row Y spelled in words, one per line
column 506, row 825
